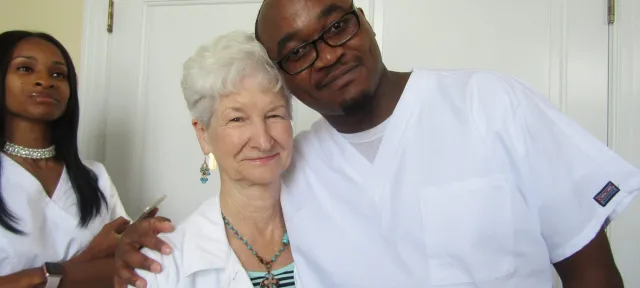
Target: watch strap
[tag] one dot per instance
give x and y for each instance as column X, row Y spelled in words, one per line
column 53, row 277
column 53, row 281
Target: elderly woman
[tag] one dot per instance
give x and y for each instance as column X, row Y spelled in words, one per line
column 241, row 116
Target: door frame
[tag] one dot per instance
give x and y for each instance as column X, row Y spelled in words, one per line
column 624, row 88
column 624, row 100
column 93, row 76
column 94, row 73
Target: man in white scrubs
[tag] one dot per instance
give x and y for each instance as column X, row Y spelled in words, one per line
column 429, row 178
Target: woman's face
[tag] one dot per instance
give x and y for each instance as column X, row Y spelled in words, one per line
column 36, row 83
column 250, row 135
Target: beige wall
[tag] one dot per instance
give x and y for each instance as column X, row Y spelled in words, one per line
column 60, row 18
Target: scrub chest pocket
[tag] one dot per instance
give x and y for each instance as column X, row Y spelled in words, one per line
column 468, row 230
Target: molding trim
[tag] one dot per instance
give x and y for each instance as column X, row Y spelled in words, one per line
column 161, row 3
column 378, row 17
column 624, row 88
column 92, row 80
column 624, row 118
column 558, row 63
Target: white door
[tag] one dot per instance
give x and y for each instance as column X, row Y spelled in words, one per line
column 560, row 46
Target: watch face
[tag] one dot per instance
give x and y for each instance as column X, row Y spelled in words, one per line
column 54, row 268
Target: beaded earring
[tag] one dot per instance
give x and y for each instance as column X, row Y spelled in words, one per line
column 208, row 165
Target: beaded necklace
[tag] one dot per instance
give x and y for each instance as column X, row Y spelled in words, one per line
column 269, row 280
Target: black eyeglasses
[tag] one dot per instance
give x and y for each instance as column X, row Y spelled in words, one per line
column 338, row 33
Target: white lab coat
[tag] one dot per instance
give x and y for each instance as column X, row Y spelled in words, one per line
column 50, row 224
column 201, row 257
column 478, row 182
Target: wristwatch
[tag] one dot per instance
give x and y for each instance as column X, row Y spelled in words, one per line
column 53, row 272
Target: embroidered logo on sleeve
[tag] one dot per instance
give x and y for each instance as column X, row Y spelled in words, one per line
column 606, row 194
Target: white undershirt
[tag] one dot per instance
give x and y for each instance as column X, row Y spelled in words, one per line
column 367, row 142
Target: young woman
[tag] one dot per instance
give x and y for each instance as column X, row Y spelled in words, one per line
column 60, row 217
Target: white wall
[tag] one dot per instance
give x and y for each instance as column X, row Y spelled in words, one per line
column 62, row 19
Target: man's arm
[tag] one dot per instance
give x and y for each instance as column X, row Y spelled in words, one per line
column 141, row 234
column 95, row 273
column 591, row 267
column 571, row 182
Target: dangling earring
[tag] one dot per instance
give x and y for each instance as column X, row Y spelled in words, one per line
column 207, row 166
column 212, row 162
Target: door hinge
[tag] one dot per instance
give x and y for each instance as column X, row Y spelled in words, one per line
column 110, row 17
column 611, row 12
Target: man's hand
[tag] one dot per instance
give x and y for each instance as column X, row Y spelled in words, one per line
column 591, row 267
column 128, row 257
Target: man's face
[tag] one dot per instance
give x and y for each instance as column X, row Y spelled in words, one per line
column 347, row 62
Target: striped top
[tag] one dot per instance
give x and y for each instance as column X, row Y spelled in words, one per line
column 284, row 276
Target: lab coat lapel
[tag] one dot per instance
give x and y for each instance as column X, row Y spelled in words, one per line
column 234, row 275
column 210, row 249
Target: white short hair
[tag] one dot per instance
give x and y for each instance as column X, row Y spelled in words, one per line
column 219, row 67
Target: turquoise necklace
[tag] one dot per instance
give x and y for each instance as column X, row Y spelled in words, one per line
column 269, row 279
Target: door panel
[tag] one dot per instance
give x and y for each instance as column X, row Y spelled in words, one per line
column 558, row 46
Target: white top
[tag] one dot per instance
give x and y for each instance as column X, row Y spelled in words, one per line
column 51, row 224
column 367, row 142
column 478, row 182
column 201, row 257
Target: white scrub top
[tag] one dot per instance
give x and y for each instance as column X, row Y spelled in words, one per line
column 201, row 256
column 478, row 182
column 52, row 233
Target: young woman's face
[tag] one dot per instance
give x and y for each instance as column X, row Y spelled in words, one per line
column 37, row 87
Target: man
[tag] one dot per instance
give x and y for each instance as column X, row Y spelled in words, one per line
column 428, row 178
